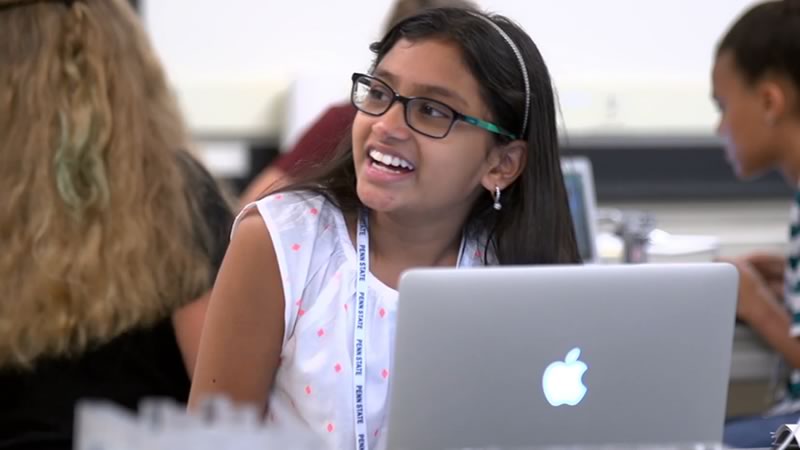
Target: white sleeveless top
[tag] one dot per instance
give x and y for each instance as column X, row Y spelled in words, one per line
column 313, row 387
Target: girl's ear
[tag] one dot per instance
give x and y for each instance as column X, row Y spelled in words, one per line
column 772, row 100
column 506, row 163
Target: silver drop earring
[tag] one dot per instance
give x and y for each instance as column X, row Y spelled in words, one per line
column 497, row 205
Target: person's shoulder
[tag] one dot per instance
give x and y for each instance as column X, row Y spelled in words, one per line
column 205, row 191
column 291, row 212
column 198, row 178
column 249, row 229
column 339, row 113
column 329, row 127
column 297, row 204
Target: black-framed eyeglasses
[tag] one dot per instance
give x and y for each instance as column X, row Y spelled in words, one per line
column 426, row 116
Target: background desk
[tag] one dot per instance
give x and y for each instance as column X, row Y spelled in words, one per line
column 742, row 227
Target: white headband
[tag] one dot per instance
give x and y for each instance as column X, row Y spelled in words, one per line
column 521, row 66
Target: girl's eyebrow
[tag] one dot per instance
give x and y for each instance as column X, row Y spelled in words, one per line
column 425, row 89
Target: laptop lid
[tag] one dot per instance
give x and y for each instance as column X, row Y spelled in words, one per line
column 501, row 356
column 579, row 182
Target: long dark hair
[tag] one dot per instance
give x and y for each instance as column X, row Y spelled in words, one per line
column 535, row 224
column 765, row 39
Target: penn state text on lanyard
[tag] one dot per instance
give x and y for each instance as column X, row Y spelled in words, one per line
column 359, row 331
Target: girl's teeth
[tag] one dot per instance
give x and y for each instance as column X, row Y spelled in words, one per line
column 389, row 160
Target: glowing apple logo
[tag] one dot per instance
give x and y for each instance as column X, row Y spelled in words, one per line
column 562, row 382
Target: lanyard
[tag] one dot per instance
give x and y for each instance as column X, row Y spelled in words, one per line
column 360, row 328
column 360, row 331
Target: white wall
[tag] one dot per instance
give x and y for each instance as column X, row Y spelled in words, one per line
column 621, row 66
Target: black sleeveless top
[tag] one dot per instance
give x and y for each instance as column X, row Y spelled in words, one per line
column 37, row 407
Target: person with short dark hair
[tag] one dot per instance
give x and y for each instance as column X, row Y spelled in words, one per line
column 756, row 79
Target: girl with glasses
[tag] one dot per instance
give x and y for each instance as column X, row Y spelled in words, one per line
column 452, row 160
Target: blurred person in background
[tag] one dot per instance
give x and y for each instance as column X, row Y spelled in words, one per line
column 111, row 233
column 756, row 80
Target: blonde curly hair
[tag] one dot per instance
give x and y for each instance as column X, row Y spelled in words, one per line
column 96, row 228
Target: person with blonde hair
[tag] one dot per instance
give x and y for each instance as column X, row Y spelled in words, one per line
column 319, row 142
column 109, row 229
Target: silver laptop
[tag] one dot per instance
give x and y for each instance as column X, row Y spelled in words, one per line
column 562, row 356
column 579, row 183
